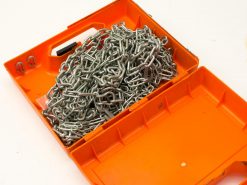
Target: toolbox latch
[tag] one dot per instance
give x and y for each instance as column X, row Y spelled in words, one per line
column 138, row 104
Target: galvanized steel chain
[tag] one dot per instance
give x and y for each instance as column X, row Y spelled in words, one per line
column 111, row 70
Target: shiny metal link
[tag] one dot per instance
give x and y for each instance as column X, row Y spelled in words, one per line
column 111, row 70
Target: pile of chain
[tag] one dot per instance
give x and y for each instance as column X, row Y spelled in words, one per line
column 110, row 71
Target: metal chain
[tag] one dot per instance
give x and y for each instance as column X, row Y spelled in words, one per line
column 111, row 70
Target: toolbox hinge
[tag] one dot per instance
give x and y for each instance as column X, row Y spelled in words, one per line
column 181, row 77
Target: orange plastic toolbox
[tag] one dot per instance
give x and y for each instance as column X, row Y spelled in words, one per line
column 190, row 130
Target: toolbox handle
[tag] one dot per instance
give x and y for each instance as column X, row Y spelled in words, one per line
column 73, row 32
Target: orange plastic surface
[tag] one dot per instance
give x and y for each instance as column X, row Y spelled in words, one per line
column 36, row 82
column 188, row 131
column 181, row 136
column 238, row 169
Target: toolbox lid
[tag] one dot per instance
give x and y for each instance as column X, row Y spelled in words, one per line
column 180, row 136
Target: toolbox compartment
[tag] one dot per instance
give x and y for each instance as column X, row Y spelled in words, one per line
column 187, row 131
column 46, row 67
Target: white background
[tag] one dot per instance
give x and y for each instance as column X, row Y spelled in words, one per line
column 215, row 31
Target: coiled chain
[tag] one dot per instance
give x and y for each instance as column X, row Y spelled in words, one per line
column 109, row 72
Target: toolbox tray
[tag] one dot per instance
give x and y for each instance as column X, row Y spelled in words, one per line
column 188, row 131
